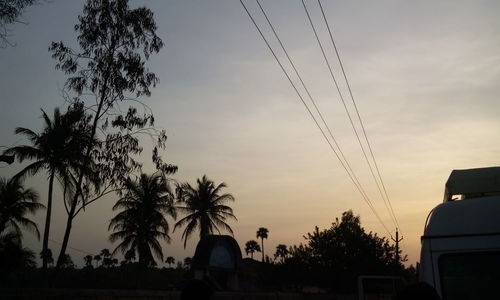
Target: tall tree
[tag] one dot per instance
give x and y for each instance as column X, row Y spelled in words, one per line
column 205, row 208
column 110, row 68
column 262, row 234
column 15, row 203
column 56, row 149
column 142, row 222
column 251, row 247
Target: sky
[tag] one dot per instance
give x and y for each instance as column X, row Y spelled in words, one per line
column 424, row 75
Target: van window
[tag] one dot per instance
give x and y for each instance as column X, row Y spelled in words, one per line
column 470, row 276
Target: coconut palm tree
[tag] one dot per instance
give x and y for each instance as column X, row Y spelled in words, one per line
column 262, row 234
column 142, row 222
column 54, row 150
column 205, row 208
column 15, row 203
column 170, row 261
column 251, row 247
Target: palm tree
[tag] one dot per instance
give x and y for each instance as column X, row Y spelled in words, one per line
column 170, row 261
column 88, row 261
column 251, row 247
column 54, row 149
column 262, row 234
column 142, row 222
column 281, row 252
column 15, row 203
column 205, row 208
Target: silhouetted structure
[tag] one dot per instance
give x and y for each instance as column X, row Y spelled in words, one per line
column 217, row 260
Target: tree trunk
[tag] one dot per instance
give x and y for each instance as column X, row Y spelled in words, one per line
column 46, row 232
column 262, row 239
column 74, row 202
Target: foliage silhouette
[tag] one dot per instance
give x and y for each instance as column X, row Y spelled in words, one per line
column 142, row 221
column 88, row 261
column 170, row 261
column 334, row 257
column 205, row 208
column 97, row 258
column 67, row 262
column 15, row 203
column 251, row 247
column 10, row 12
column 47, row 256
column 109, row 68
column 262, row 233
column 281, row 252
column 57, row 149
column 12, row 254
column 187, row 262
column 129, row 256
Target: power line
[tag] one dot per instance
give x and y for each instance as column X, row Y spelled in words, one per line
column 310, row 97
column 313, row 117
column 72, row 248
column 358, row 114
column 330, row 69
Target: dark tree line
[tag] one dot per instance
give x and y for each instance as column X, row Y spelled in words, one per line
column 336, row 256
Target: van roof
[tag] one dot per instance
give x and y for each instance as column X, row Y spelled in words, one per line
column 472, row 183
column 465, row 217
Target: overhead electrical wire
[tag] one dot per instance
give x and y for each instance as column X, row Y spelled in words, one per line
column 347, row 111
column 314, row 118
column 358, row 114
column 310, row 97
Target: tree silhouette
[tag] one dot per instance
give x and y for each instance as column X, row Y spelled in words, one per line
column 105, row 253
column 129, row 256
column 67, row 262
column 55, row 149
column 97, row 258
column 88, row 261
column 15, row 203
column 281, row 252
column 12, row 254
column 262, row 233
column 10, row 12
column 205, row 208
column 170, row 261
column 142, row 222
column 108, row 69
column 251, row 247
column 336, row 256
column 47, row 255
column 187, row 262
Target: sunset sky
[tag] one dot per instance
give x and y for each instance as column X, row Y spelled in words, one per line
column 425, row 75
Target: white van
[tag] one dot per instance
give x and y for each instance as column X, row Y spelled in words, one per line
column 460, row 253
